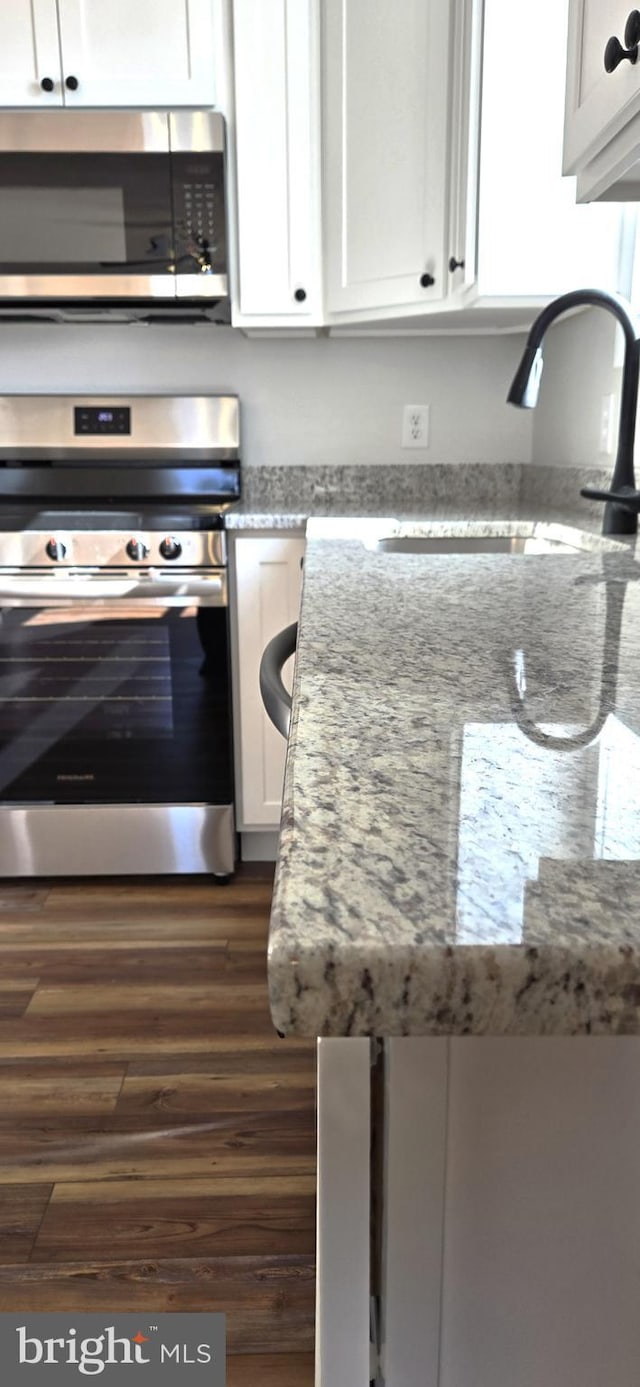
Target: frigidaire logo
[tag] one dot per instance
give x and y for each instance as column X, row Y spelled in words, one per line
column 174, row 1350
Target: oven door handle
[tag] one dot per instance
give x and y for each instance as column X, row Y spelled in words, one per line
column 186, row 589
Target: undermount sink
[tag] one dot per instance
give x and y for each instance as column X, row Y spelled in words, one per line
column 389, row 535
column 513, row 538
column 463, row 544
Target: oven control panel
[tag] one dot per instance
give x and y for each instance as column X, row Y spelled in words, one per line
column 101, row 419
column 113, row 549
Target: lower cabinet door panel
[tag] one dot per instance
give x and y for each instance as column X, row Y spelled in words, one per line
column 542, row 1214
column 268, row 580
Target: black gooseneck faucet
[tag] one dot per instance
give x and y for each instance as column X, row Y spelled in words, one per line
column 622, row 501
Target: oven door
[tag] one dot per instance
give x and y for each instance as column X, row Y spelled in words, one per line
column 115, row 724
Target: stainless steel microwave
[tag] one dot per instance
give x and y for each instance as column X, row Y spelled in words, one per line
column 117, row 213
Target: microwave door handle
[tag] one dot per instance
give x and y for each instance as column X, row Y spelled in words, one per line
column 152, row 264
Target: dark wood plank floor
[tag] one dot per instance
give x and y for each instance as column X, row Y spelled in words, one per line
column 157, row 1146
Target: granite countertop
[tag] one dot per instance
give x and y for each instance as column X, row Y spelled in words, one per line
column 460, row 842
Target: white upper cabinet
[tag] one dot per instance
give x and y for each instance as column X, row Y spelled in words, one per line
column 154, row 53
column 355, row 159
column 275, row 46
column 602, row 116
column 443, row 203
column 147, row 53
column 463, row 151
column 598, row 102
column 30, row 54
column 385, row 126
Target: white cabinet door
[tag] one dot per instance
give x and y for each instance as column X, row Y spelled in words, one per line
column 541, row 1216
column 268, row 579
column 385, row 95
column 464, row 150
column 30, row 54
column 276, row 70
column 509, row 1203
column 149, row 53
column 598, row 103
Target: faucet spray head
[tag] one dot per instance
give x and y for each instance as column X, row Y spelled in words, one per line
column 526, row 382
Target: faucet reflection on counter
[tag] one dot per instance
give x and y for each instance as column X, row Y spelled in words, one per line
column 615, row 592
column 622, row 501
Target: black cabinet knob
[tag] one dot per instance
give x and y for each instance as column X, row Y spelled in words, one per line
column 426, row 280
column 455, row 264
column 300, row 295
column 47, row 84
column 72, row 83
column 614, row 53
column 632, row 29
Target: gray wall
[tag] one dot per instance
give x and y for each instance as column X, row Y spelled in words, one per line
column 581, row 358
column 312, row 400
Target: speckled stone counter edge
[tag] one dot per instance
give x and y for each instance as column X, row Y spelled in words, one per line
column 458, row 990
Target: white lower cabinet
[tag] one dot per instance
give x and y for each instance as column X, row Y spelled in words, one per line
column 540, row 1213
column 267, row 580
column 507, row 1239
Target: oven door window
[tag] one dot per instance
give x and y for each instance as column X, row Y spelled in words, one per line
column 85, row 214
column 118, row 705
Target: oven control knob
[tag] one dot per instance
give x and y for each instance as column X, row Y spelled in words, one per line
column 56, row 549
column 137, row 549
column 170, row 548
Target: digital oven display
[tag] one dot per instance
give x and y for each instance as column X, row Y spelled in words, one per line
column 102, row 419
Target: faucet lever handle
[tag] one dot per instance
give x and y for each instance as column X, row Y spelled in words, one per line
column 626, row 496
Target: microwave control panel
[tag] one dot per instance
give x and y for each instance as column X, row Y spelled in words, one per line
column 198, row 201
column 199, row 209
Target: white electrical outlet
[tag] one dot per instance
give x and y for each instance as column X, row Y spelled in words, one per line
column 415, row 426
column 606, row 424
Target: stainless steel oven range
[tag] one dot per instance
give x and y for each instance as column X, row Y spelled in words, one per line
column 115, row 705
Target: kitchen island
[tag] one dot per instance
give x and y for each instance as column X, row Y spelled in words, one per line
column 451, row 858
column 459, row 874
